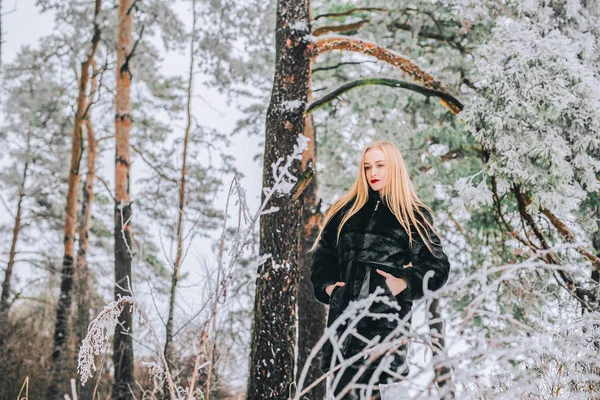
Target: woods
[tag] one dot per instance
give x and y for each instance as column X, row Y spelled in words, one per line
column 167, row 166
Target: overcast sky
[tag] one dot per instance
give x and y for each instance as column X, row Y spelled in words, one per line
column 23, row 25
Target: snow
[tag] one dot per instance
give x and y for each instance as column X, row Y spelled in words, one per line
column 300, row 25
column 291, row 105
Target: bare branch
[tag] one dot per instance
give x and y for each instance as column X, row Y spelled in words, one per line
column 446, row 99
column 318, row 69
column 343, row 43
column 106, row 186
column 570, row 237
column 454, row 41
column 340, row 28
column 352, row 11
column 156, row 168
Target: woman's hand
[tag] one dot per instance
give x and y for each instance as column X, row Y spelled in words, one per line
column 330, row 288
column 396, row 285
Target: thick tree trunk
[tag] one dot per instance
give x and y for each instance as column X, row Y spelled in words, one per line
column 61, row 327
column 272, row 356
column 82, row 271
column 181, row 204
column 123, row 340
column 311, row 313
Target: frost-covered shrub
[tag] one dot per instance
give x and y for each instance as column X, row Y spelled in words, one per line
column 537, row 109
column 100, row 333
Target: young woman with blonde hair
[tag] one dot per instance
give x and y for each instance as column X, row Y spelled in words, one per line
column 368, row 237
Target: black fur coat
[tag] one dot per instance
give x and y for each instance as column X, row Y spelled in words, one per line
column 373, row 238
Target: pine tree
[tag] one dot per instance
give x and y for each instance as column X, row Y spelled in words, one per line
column 274, row 328
column 123, row 341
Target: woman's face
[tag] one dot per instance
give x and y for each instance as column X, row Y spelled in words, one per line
column 375, row 168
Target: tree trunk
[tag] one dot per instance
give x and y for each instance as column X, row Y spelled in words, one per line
column 592, row 369
column 311, row 313
column 123, row 340
column 6, row 284
column 5, row 347
column 442, row 371
column 82, row 272
column 61, row 328
column 181, row 205
column 274, row 326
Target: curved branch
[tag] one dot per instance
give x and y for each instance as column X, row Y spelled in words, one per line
column 344, row 43
column 351, row 11
column 103, row 182
column 447, row 99
column 328, row 68
column 156, row 168
column 340, row 28
column 566, row 233
column 586, row 297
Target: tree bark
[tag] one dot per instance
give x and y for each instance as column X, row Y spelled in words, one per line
column 311, row 313
column 181, row 204
column 61, row 327
column 274, row 326
column 123, row 340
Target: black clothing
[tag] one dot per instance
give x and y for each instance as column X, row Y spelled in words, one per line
column 373, row 239
column 354, row 393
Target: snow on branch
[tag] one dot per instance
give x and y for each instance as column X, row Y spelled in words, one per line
column 284, row 179
column 98, row 338
column 492, row 352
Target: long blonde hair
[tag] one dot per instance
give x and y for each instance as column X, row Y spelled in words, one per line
column 398, row 193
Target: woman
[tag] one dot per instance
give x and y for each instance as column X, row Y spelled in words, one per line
column 368, row 237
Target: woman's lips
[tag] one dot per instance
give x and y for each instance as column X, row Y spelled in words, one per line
column 375, row 181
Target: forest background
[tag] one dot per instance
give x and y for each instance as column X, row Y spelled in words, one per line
column 494, row 104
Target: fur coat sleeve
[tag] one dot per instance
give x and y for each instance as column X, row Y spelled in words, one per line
column 325, row 266
column 424, row 260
